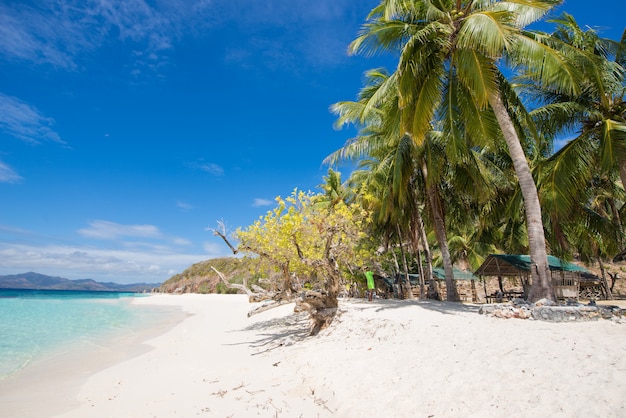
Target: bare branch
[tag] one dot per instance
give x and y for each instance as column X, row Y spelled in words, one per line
column 269, row 306
column 243, row 286
column 298, row 249
column 220, row 231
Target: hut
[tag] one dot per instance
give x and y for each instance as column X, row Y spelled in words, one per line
column 465, row 280
column 566, row 276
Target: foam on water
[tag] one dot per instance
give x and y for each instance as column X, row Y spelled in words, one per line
column 36, row 323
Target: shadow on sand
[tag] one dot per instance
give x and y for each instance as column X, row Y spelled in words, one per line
column 295, row 327
column 448, row 308
column 278, row 332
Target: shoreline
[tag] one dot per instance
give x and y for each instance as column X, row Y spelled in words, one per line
column 384, row 358
column 54, row 378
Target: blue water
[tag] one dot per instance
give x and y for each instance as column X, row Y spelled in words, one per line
column 34, row 323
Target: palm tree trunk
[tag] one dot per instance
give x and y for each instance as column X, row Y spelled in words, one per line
column 622, row 176
column 428, row 257
column 541, row 284
column 408, row 293
column 440, row 230
column 605, row 284
column 416, row 224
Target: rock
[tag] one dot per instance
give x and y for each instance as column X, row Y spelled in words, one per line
column 520, row 302
column 546, row 310
column 525, row 313
column 544, row 302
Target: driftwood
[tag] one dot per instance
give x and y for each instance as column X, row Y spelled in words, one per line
column 269, row 306
column 242, row 287
column 259, row 295
column 320, row 305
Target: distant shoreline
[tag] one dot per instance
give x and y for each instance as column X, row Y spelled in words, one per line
column 37, row 281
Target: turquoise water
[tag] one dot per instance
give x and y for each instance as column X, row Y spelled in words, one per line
column 34, row 323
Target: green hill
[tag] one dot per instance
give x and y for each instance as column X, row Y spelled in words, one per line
column 201, row 278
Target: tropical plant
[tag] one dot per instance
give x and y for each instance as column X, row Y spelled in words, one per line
column 303, row 237
column 450, row 57
column 584, row 170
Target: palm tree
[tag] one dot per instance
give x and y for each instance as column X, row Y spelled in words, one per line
column 597, row 117
column 381, row 138
column 449, row 65
column 334, row 191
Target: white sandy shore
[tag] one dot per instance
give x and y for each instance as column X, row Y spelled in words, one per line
column 385, row 358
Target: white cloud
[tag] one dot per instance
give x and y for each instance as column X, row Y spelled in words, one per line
column 125, row 262
column 60, row 33
column 258, row 202
column 121, row 266
column 210, row 168
column 25, row 122
column 29, row 35
column 315, row 33
column 181, row 241
column 213, row 248
column 8, row 175
column 111, row 230
column 183, row 206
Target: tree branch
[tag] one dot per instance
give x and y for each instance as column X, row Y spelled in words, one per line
column 221, row 232
column 243, row 286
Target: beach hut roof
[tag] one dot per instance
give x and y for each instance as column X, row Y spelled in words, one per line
column 514, row 264
column 440, row 274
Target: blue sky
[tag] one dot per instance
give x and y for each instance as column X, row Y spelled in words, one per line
column 127, row 127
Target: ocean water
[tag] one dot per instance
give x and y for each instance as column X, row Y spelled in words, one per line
column 35, row 323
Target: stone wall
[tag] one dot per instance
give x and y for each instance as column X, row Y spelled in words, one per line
column 548, row 311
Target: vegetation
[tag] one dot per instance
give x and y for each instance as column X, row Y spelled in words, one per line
column 201, row 278
column 457, row 154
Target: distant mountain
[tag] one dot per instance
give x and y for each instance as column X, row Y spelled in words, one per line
column 38, row 281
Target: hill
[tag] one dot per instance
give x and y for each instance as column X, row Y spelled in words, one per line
column 38, row 281
column 201, row 278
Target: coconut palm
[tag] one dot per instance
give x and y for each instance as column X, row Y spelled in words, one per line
column 445, row 173
column 381, row 138
column 451, row 52
column 334, row 191
column 597, row 117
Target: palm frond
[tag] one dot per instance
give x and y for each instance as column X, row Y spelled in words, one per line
column 613, row 142
column 379, row 36
column 477, row 73
column 567, row 172
column 527, row 12
column 545, row 64
column 487, row 32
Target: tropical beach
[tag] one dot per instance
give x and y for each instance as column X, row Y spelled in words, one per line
column 381, row 358
column 469, row 261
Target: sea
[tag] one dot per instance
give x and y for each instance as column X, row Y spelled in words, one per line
column 37, row 323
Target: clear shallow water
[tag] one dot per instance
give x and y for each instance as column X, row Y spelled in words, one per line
column 34, row 323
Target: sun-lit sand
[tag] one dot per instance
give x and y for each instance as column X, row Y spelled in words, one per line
column 387, row 358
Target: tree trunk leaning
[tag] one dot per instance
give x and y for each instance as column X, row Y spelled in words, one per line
column 541, row 286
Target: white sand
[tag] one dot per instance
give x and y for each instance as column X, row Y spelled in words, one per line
column 379, row 359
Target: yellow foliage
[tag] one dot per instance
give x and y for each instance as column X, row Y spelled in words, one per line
column 305, row 237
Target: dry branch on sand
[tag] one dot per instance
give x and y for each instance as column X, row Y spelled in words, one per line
column 315, row 303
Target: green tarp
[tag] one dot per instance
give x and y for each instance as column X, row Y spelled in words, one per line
column 510, row 264
column 439, row 274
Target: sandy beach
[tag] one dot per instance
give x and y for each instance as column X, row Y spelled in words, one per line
column 386, row 358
